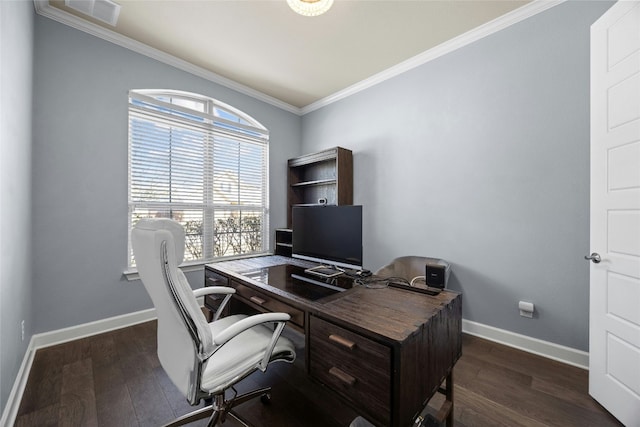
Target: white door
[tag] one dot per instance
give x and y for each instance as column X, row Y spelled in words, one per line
column 614, row 330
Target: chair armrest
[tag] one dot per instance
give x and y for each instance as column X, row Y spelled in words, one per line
column 208, row 290
column 247, row 323
column 216, row 290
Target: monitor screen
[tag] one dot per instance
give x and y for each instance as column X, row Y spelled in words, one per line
column 329, row 235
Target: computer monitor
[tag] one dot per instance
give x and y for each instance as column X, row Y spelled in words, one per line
column 329, row 235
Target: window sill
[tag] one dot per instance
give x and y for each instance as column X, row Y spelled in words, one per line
column 132, row 274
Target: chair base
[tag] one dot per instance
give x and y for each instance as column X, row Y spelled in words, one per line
column 218, row 411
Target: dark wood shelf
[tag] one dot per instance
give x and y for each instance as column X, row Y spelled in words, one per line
column 283, row 245
column 317, row 182
column 314, row 204
column 325, row 175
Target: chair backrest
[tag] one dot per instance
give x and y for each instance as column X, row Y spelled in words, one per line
column 183, row 332
column 407, row 267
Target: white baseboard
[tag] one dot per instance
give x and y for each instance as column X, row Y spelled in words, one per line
column 13, row 402
column 547, row 349
column 560, row 353
column 61, row 336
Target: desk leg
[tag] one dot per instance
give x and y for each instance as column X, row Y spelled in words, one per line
column 449, row 396
column 445, row 412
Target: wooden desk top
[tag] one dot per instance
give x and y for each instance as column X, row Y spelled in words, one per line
column 391, row 313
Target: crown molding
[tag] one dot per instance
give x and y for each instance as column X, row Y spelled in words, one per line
column 491, row 27
column 43, row 8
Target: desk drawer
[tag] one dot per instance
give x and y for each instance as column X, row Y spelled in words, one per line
column 354, row 365
column 265, row 302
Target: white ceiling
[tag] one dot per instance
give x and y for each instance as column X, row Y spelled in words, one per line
column 298, row 60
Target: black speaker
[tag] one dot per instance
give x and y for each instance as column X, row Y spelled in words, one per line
column 437, row 273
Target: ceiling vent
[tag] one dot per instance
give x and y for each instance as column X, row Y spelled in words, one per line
column 103, row 10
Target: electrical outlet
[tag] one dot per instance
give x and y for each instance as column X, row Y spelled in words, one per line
column 526, row 309
column 22, row 327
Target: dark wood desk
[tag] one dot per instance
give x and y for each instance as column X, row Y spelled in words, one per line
column 386, row 351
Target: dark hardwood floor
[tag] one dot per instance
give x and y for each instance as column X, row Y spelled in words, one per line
column 115, row 379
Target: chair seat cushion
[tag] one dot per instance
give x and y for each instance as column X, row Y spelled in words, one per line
column 241, row 354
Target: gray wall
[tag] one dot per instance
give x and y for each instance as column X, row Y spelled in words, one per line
column 481, row 157
column 16, row 49
column 80, row 170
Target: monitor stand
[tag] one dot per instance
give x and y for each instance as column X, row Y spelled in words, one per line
column 324, row 271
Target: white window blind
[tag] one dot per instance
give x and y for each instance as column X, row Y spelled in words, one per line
column 204, row 164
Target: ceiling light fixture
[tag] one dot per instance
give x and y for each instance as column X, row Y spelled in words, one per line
column 310, row 7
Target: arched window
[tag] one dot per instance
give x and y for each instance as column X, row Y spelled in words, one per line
column 204, row 164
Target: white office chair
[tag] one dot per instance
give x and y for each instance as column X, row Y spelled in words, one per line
column 202, row 359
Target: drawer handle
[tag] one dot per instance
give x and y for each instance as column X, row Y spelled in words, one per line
column 342, row 341
column 257, row 300
column 210, row 280
column 342, row 376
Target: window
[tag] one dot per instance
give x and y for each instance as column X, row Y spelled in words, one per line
column 204, row 164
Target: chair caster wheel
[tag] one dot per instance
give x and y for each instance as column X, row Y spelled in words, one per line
column 266, row 398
